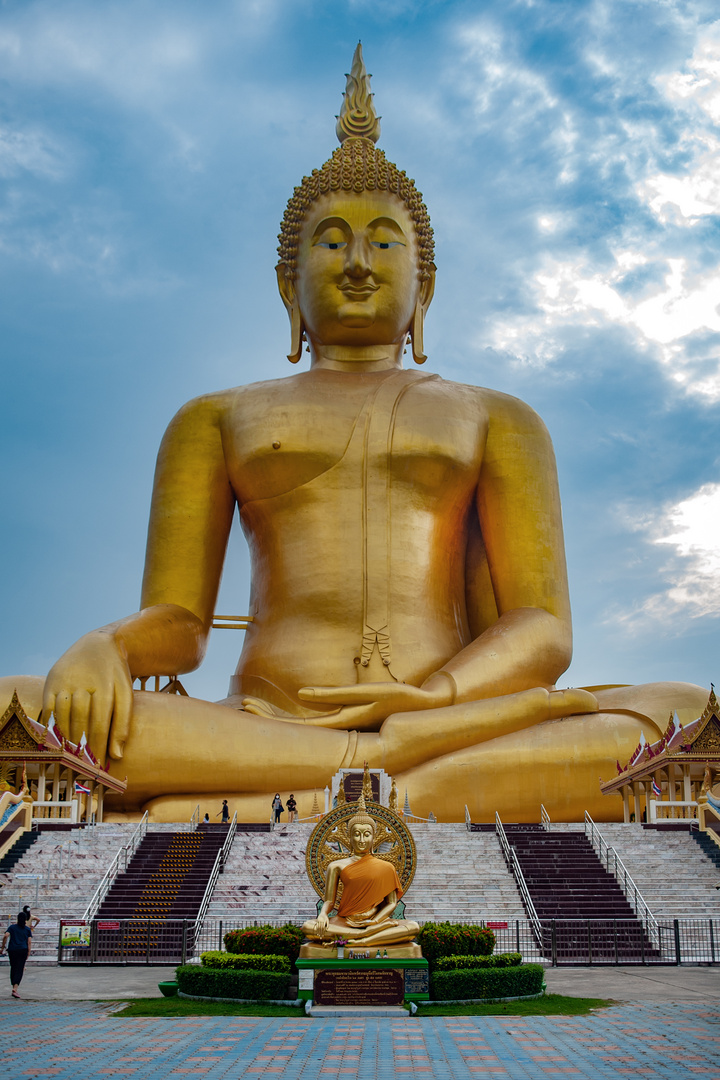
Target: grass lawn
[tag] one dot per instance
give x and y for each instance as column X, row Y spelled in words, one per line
column 175, row 1006
column 549, row 1005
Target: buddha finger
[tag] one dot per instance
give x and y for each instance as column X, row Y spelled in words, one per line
column 63, row 705
column 340, row 695
column 100, row 723
column 122, row 715
column 80, row 715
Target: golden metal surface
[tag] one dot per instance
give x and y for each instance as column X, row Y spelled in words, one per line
column 330, row 841
column 409, row 603
column 352, row 837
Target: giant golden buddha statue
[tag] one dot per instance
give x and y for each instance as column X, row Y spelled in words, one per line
column 409, row 595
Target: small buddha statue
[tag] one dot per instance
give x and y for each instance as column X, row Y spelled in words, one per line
column 370, row 893
column 409, row 595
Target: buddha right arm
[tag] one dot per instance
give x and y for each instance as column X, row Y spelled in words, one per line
column 90, row 687
column 332, row 877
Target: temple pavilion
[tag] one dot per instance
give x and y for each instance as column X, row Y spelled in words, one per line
column 663, row 780
column 65, row 779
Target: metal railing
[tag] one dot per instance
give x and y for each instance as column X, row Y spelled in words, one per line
column 120, row 862
column 468, row 819
column 512, row 861
column 615, row 866
column 596, row 942
column 232, row 829
column 544, row 817
column 218, row 868
column 195, row 819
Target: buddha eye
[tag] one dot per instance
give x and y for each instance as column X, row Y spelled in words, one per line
column 334, row 246
column 385, row 244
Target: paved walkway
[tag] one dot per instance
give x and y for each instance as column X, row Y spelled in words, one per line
column 63, row 1041
column 48, row 982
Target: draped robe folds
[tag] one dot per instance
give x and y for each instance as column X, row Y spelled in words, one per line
column 366, row 883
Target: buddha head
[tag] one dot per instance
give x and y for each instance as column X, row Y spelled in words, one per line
column 361, row 830
column 356, row 246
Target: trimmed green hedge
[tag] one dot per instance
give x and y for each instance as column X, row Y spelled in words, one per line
column 454, row 939
column 498, row 960
column 266, row 941
column 487, row 982
column 201, row 981
column 245, row 961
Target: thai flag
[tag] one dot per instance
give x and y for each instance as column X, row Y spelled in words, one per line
column 80, row 789
column 657, row 790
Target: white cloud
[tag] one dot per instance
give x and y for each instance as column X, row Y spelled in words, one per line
column 30, row 151
column 690, row 529
column 569, row 293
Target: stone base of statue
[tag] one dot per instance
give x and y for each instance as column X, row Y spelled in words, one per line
column 363, row 984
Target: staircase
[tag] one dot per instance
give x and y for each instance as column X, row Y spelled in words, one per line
column 670, row 869
column 164, row 885
column 68, row 867
column 568, row 883
column 709, row 848
column 458, row 874
column 17, row 851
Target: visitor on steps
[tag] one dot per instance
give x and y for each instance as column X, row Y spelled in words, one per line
column 291, row 808
column 18, row 935
column 277, row 809
column 30, row 920
column 225, row 811
column 206, row 819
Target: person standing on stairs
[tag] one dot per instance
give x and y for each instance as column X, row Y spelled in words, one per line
column 291, row 808
column 30, row 920
column 18, row 935
column 277, row 809
column 225, row 811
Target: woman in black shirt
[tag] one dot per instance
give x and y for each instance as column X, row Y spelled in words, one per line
column 18, row 935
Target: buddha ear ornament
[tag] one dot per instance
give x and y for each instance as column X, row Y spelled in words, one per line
column 418, row 320
column 289, row 299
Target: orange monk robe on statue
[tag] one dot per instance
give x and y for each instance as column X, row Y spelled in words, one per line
column 366, row 884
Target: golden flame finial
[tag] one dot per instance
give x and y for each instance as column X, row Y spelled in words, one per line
column 358, row 119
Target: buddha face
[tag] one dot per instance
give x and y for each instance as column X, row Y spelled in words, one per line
column 362, row 837
column 357, row 274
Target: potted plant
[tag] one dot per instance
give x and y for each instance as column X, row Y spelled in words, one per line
column 340, row 945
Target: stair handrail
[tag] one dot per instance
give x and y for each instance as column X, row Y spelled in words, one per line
column 634, row 897
column 119, row 862
column 207, row 895
column 544, row 817
column 232, row 829
column 468, row 819
column 512, row 861
column 195, row 819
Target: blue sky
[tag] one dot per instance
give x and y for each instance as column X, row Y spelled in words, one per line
column 569, row 155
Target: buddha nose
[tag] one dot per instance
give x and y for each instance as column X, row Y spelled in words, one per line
column 357, row 260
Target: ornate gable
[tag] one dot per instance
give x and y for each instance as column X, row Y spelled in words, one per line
column 708, row 739
column 16, row 731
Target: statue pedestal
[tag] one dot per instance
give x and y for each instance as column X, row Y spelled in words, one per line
column 363, row 983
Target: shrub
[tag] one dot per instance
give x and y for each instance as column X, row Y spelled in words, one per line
column 454, row 939
column 245, row 961
column 488, row 982
column 499, row 960
column 266, row 941
column 201, row 981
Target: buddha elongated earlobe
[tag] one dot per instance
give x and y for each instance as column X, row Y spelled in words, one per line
column 416, row 334
column 296, row 334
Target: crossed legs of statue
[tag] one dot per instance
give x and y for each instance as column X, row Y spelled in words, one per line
column 507, row 754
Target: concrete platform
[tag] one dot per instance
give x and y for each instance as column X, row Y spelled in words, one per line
column 392, row 1012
